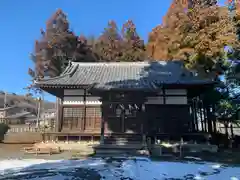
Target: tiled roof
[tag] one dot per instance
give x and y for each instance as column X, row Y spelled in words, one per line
column 49, row 110
column 18, row 115
column 9, row 107
column 124, row 75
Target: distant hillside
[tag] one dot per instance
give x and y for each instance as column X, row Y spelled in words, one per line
column 23, row 101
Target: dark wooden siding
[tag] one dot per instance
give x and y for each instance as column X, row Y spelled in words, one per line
column 121, row 120
column 170, row 119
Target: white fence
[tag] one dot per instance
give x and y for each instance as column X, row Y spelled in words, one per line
column 22, row 129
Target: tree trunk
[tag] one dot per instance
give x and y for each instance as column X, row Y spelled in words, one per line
column 195, row 113
column 231, row 129
column 209, row 119
column 205, row 117
column 200, row 107
column 214, row 119
column 226, row 143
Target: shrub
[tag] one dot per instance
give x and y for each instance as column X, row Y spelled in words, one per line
column 3, row 130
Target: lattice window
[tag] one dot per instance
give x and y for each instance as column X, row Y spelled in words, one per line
column 93, row 114
column 98, row 112
column 67, row 112
column 72, row 117
column 90, row 112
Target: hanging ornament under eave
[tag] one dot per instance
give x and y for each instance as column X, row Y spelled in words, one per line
column 136, row 107
column 130, row 107
column 122, row 106
column 118, row 111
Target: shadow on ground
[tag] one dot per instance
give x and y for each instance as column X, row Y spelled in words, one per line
column 119, row 169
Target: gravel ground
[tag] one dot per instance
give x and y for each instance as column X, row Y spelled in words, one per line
column 14, row 151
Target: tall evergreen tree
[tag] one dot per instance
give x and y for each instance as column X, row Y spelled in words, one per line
column 48, row 47
column 234, row 53
column 133, row 45
column 115, row 46
column 57, row 46
column 109, row 44
column 198, row 37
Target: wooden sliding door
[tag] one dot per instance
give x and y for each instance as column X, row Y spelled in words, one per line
column 93, row 118
column 73, row 118
column 82, row 118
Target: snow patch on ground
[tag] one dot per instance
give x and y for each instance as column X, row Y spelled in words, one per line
column 115, row 169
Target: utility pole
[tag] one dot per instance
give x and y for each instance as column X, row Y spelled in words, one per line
column 42, row 110
column 38, row 112
column 5, row 99
column 5, row 105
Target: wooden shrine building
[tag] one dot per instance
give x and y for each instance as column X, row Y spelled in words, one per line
column 103, row 99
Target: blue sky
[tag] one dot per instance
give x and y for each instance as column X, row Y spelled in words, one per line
column 21, row 22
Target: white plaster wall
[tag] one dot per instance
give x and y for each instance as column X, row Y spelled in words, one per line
column 168, row 91
column 169, row 100
column 150, row 100
column 176, row 100
column 73, row 92
column 154, row 100
column 79, row 100
column 176, row 92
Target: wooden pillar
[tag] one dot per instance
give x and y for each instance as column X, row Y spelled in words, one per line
column 61, row 116
column 102, row 123
column 205, row 117
column 214, row 118
column 123, row 119
column 143, row 123
column 58, row 118
column 83, row 124
column 202, row 117
column 194, row 108
column 193, row 118
column 164, row 95
column 209, row 118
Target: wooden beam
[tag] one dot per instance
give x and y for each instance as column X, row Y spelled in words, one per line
column 58, row 114
column 102, row 125
column 164, row 95
column 85, row 111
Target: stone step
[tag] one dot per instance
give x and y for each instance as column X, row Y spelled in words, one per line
column 130, row 138
column 111, row 151
column 127, row 142
column 112, row 155
column 116, row 146
column 122, row 140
